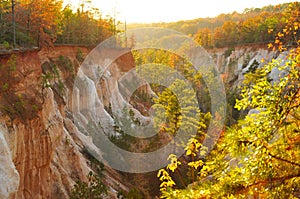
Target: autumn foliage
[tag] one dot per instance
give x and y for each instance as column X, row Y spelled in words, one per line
column 42, row 23
column 259, row 156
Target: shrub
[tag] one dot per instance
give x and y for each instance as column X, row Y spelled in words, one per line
column 93, row 189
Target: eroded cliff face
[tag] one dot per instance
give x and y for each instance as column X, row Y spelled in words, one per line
column 9, row 176
column 42, row 144
column 233, row 63
column 41, row 152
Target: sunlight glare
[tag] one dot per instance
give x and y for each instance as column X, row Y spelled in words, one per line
column 138, row 11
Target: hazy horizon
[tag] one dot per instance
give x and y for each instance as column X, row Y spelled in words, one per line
column 154, row 11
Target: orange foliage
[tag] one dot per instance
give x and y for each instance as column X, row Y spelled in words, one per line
column 40, row 18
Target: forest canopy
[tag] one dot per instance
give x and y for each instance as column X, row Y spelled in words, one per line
column 44, row 22
column 29, row 23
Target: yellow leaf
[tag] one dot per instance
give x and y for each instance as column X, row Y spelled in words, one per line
column 280, row 34
column 170, row 183
column 270, row 31
column 188, row 152
column 296, row 27
column 160, row 172
column 270, row 45
column 163, row 184
column 281, row 48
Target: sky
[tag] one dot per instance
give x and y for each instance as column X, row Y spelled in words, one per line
column 148, row 11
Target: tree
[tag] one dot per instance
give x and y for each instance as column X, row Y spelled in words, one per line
column 40, row 24
column 259, row 156
column 289, row 36
column 85, row 26
column 5, row 24
column 13, row 22
column 204, row 37
column 180, row 105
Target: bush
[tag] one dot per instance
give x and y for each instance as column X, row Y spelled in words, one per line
column 93, row 189
column 79, row 55
column 6, row 44
column 133, row 193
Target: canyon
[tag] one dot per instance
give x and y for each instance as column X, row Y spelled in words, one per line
column 44, row 144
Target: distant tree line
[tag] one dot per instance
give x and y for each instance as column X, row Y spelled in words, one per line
column 254, row 29
column 44, row 22
column 254, row 25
